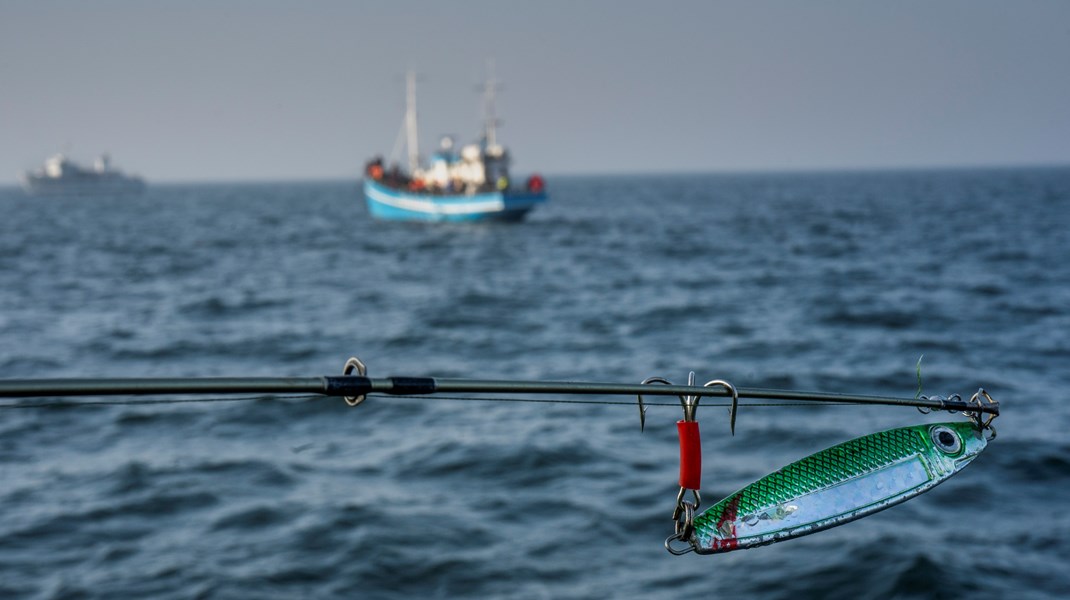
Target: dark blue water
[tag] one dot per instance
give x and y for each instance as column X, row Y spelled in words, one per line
column 833, row 282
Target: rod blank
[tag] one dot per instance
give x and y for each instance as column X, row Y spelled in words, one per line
column 357, row 385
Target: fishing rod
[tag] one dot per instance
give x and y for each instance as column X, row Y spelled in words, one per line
column 354, row 388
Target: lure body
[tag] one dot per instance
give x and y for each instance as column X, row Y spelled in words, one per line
column 837, row 485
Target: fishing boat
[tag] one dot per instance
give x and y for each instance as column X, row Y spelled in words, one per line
column 62, row 177
column 472, row 184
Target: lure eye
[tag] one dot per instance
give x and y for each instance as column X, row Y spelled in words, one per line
column 946, row 440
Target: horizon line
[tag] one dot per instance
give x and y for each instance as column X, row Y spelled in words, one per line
column 772, row 171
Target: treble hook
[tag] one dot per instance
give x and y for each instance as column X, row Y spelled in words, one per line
column 683, row 514
column 690, row 403
column 642, row 407
column 735, row 401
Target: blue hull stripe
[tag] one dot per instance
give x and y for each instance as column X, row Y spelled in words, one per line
column 388, row 203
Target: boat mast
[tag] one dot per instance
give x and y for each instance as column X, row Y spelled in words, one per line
column 490, row 126
column 410, row 122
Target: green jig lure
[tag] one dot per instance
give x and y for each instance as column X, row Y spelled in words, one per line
column 835, row 486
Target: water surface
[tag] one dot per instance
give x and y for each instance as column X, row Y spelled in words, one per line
column 833, row 282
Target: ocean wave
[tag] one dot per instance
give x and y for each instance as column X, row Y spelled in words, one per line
column 255, row 517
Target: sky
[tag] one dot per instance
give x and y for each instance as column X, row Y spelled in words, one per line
column 268, row 90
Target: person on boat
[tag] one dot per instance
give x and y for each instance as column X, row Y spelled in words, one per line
column 503, row 183
column 394, row 177
column 374, row 168
column 535, row 184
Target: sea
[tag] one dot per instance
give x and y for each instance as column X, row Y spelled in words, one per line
column 895, row 283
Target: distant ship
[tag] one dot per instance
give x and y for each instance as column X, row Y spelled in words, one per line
column 61, row 177
column 470, row 185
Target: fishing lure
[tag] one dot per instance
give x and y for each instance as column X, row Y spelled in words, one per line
column 835, row 486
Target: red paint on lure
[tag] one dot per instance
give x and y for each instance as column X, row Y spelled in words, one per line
column 726, row 524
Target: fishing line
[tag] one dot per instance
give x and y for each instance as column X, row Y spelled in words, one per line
column 611, row 402
column 152, row 402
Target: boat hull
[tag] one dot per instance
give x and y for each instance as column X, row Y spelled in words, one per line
column 82, row 186
column 391, row 204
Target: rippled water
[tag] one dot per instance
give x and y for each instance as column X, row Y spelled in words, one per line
column 833, row 282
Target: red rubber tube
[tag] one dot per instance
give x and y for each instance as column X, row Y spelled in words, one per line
column 690, row 455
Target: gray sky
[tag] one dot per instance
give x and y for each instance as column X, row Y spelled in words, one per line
column 200, row 91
